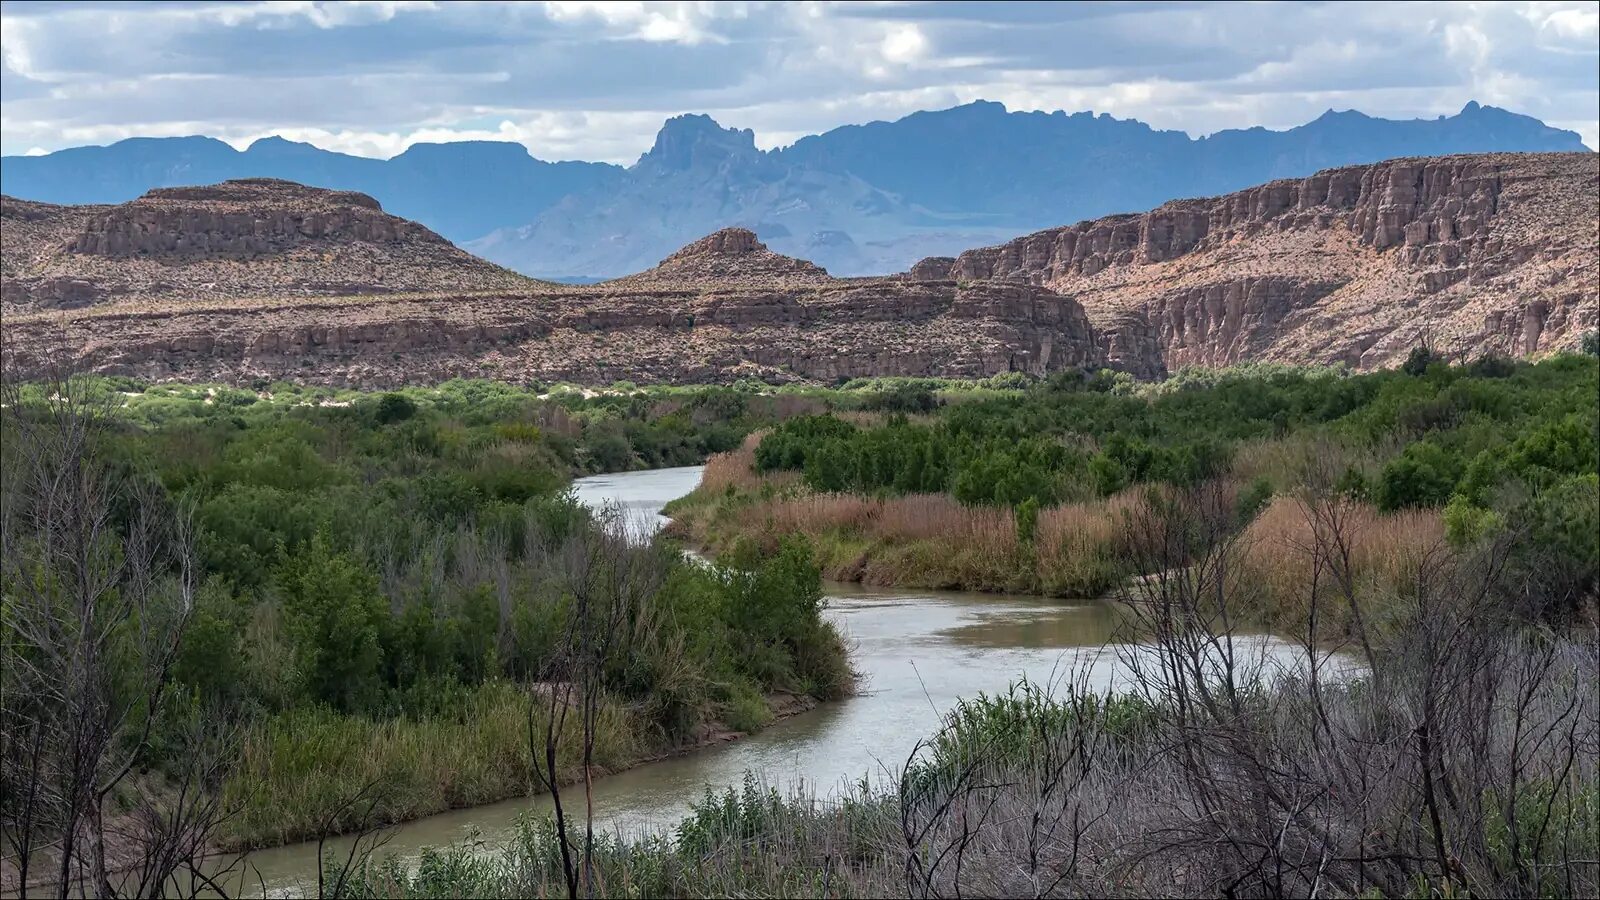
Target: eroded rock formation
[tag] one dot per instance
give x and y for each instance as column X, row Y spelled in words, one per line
column 731, row 256
column 263, row 279
column 248, row 238
column 843, row 330
column 1352, row 265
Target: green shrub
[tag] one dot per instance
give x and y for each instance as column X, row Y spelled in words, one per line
column 1424, row 475
column 336, row 616
column 393, row 408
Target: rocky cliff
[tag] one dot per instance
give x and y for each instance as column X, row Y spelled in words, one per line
column 731, row 256
column 843, row 329
column 1352, row 265
column 252, row 237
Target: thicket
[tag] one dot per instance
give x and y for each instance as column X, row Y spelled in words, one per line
column 1458, row 760
column 362, row 587
column 1489, row 443
column 1466, row 430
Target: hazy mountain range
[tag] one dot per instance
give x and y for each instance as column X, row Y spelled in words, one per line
column 860, row 199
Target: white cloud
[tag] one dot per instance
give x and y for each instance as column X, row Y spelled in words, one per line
column 594, row 80
column 682, row 23
column 1572, row 23
column 904, row 44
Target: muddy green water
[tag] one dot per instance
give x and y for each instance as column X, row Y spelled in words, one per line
column 917, row 651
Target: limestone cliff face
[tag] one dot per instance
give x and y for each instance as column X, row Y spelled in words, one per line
column 262, row 279
column 248, row 238
column 1352, row 265
column 241, row 220
column 844, row 330
column 932, row 268
column 719, row 309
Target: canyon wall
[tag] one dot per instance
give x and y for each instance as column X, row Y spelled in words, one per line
column 264, row 280
column 827, row 334
column 1352, row 265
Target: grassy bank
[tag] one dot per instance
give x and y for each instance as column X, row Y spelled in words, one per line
column 913, row 540
column 1066, row 793
column 1052, row 490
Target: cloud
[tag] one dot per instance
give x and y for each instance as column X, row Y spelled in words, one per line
column 595, row 80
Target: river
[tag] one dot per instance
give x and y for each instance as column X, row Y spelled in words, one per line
column 917, row 651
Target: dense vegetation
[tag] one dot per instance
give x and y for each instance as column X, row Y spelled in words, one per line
column 923, row 498
column 362, row 590
column 1439, row 740
column 1458, row 761
column 286, row 612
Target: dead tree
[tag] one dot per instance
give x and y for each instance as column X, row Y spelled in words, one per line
column 607, row 575
column 98, row 577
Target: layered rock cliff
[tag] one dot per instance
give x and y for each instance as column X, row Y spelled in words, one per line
column 253, row 237
column 1352, row 265
column 260, row 279
column 823, row 333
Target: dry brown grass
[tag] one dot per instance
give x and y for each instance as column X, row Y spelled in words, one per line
column 1079, row 545
column 735, row 469
column 816, row 514
column 917, row 540
column 1386, row 553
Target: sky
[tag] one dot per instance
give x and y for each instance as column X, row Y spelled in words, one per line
column 583, row 80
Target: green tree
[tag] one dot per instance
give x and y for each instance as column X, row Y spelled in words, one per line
column 1027, row 521
column 336, row 616
column 1424, row 475
column 394, row 408
column 1417, row 361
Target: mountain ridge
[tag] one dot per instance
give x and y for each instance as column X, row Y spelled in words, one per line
column 857, row 199
column 238, row 239
column 1356, row 265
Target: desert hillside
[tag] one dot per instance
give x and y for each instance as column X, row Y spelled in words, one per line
column 247, row 238
column 1353, row 265
column 265, row 279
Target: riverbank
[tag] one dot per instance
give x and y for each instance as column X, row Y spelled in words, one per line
column 464, row 765
column 310, row 776
column 1097, row 548
column 912, row 541
column 346, row 600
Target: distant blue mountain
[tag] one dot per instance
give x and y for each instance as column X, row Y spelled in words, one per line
column 858, row 199
column 462, row 190
column 1054, row 168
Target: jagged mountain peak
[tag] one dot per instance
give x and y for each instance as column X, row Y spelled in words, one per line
column 858, row 199
column 689, row 140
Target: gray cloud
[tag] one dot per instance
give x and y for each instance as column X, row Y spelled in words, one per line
column 588, row 80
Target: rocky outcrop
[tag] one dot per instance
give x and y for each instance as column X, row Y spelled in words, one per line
column 241, row 220
column 262, row 280
column 247, row 238
column 932, row 268
column 722, row 308
column 731, row 256
column 1350, row 265
column 842, row 330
